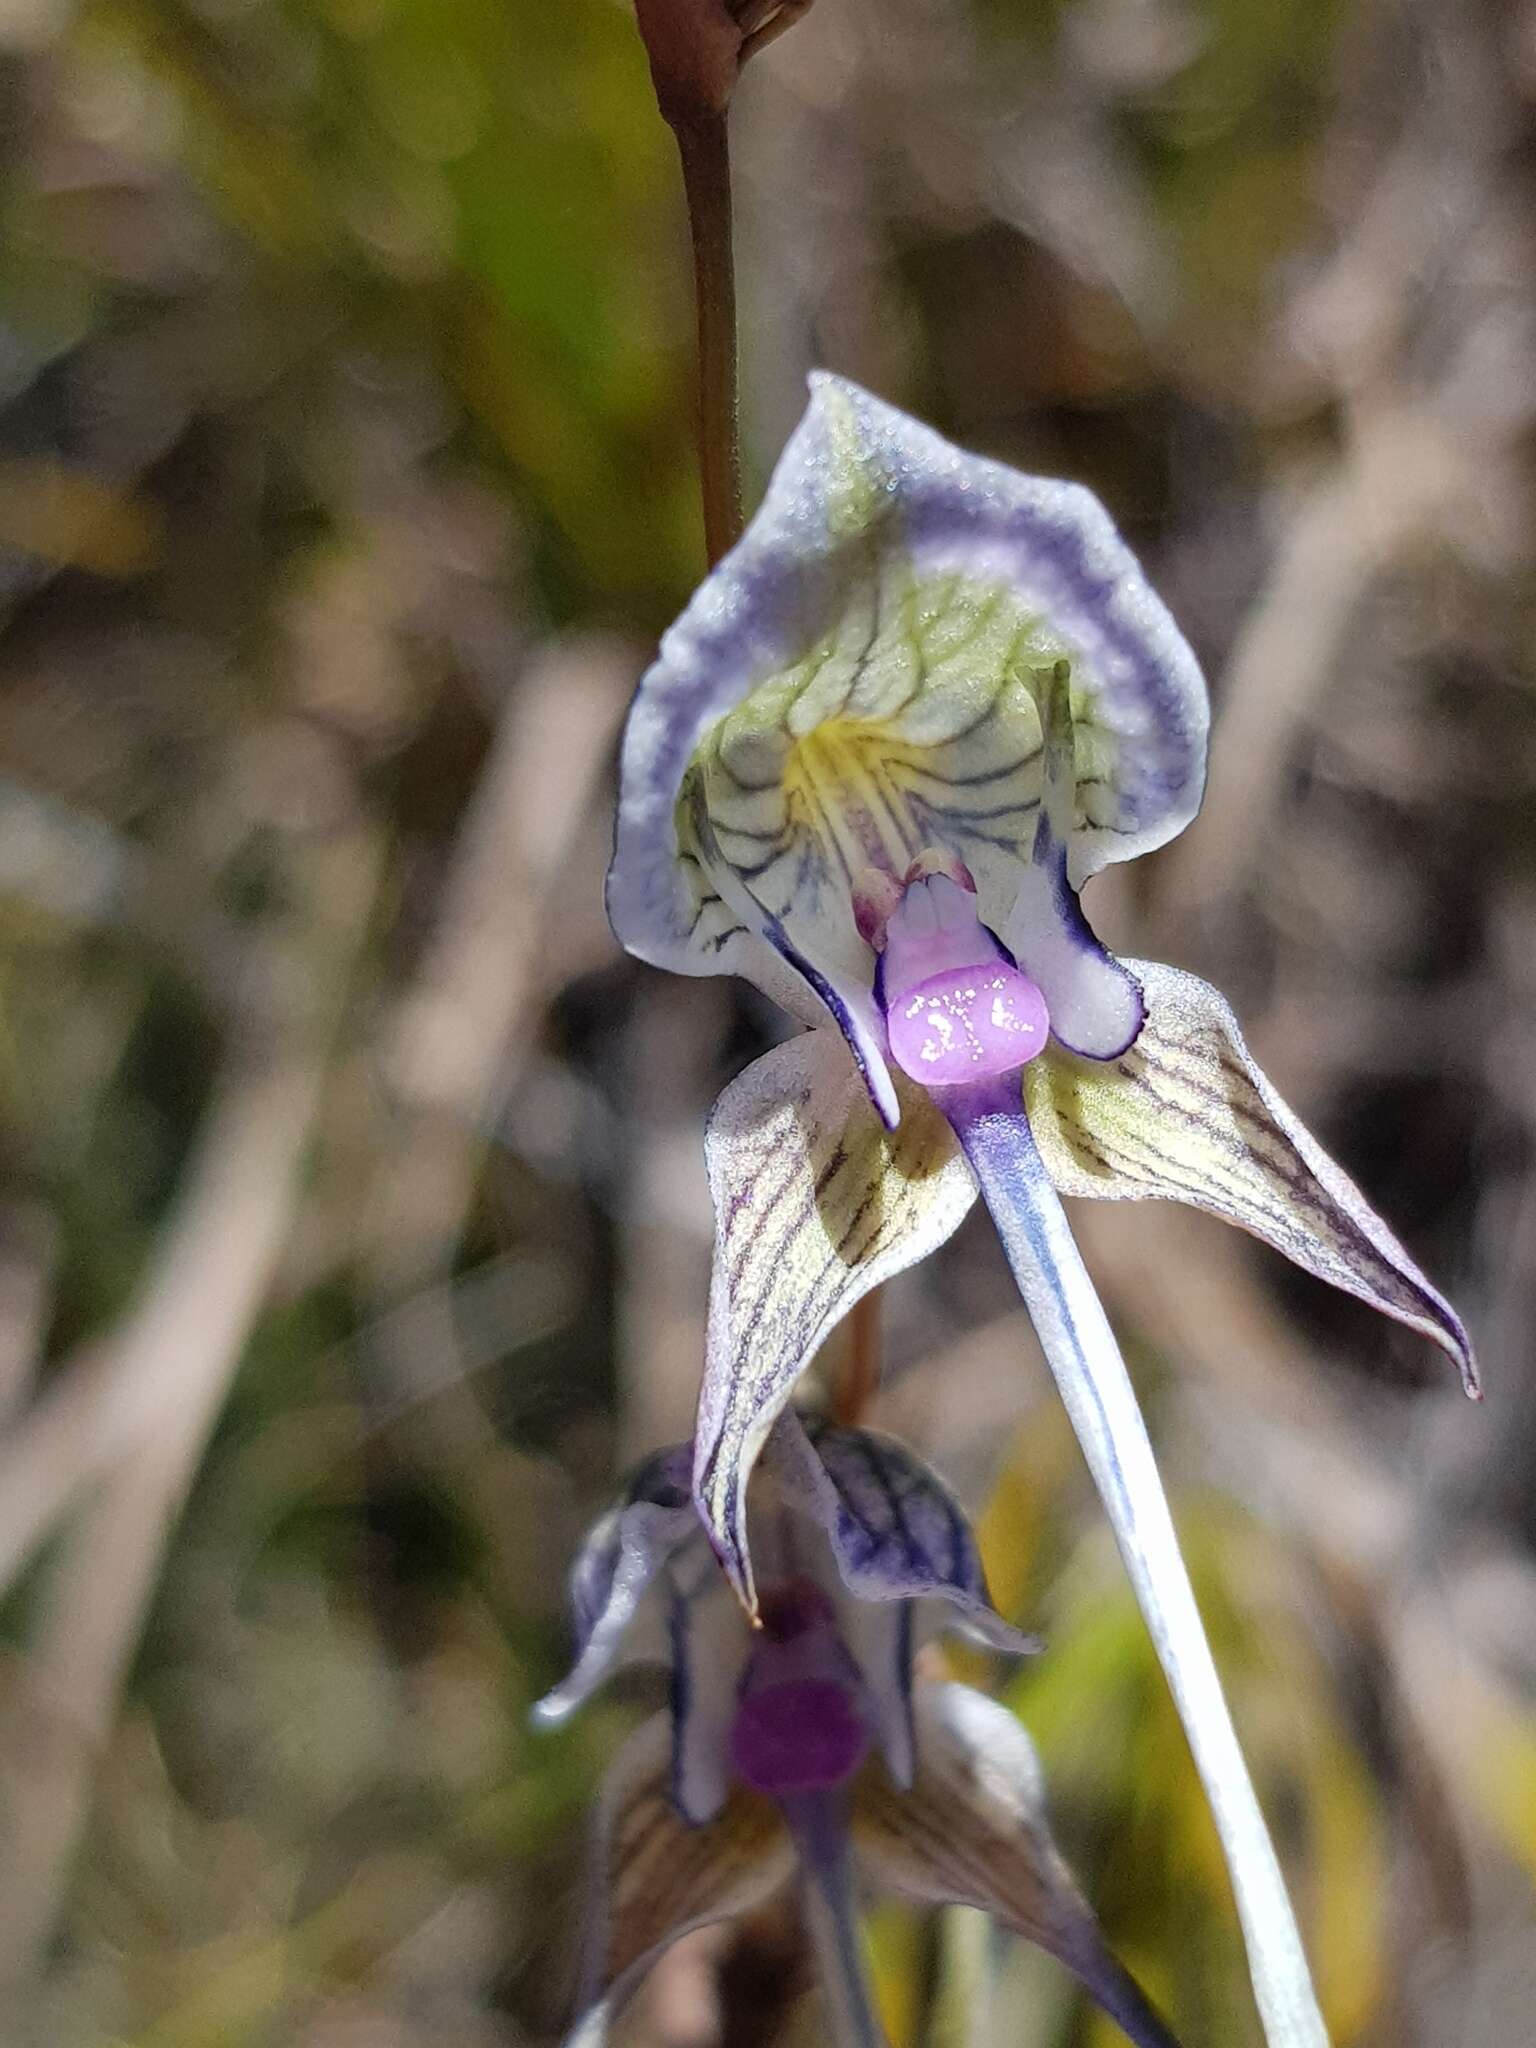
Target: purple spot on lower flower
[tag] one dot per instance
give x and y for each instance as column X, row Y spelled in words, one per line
column 802, row 1735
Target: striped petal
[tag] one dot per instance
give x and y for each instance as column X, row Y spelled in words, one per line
column 896, row 1530
column 856, row 683
column 971, row 1831
column 906, row 1561
column 655, row 1877
column 1186, row 1116
column 815, row 1203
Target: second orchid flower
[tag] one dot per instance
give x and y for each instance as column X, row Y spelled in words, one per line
column 808, row 1749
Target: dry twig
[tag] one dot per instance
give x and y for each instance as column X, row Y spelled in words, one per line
column 141, row 1407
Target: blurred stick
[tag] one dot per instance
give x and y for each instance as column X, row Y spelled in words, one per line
column 59, row 1724
column 194, row 1308
column 170, row 1366
column 459, row 1040
column 462, row 1031
column 28, row 1251
column 1404, row 475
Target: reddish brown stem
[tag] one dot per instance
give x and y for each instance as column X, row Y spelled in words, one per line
column 858, row 1375
column 702, row 144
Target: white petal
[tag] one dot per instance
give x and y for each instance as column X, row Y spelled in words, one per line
column 815, row 1203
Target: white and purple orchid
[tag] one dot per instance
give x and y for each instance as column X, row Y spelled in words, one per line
column 805, row 1750
column 904, row 720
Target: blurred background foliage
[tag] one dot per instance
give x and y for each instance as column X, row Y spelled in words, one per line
column 353, row 1231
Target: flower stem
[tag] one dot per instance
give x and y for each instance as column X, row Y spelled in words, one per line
column 860, row 1371
column 705, row 151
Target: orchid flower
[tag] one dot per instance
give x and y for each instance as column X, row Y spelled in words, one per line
column 917, row 706
column 804, row 1749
